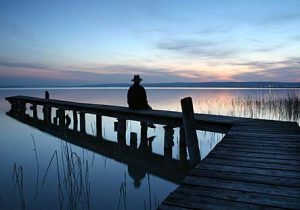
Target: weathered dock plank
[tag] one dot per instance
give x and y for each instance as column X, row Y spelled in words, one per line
column 248, row 177
column 256, row 165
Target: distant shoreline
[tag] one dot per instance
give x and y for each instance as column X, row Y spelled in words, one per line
column 148, row 88
column 174, row 85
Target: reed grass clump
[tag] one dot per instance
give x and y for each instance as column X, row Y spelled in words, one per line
column 285, row 107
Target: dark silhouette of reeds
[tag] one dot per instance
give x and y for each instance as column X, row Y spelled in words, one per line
column 271, row 106
column 17, row 178
column 123, row 193
column 37, row 166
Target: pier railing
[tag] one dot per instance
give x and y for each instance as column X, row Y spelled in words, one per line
column 169, row 119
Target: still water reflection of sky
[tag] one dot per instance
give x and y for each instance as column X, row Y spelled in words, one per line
column 26, row 152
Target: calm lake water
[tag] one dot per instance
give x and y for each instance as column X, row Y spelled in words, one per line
column 39, row 170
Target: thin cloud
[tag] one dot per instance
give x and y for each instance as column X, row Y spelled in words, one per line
column 282, row 18
column 192, row 48
column 277, row 74
column 288, row 69
column 24, row 65
column 290, row 62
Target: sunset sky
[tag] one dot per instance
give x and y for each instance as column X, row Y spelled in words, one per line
column 59, row 42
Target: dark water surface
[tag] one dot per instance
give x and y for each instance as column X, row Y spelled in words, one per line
column 41, row 171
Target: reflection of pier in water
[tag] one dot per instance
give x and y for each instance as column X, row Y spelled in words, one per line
column 186, row 121
column 256, row 165
column 139, row 159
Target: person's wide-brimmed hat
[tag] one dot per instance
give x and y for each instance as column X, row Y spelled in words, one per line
column 136, row 78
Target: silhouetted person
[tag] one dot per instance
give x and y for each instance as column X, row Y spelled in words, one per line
column 136, row 96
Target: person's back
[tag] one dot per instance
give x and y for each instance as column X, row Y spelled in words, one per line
column 136, row 96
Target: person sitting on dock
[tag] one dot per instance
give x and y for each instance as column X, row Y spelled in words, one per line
column 137, row 97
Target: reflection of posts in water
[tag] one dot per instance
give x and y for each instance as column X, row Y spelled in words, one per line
column 146, row 143
column 168, row 143
column 57, row 117
column 62, row 122
column 68, row 120
column 47, row 114
column 133, row 140
column 190, row 130
column 121, row 129
column 82, row 122
column 34, row 111
column 99, row 126
column 75, row 120
column 18, row 107
column 139, row 161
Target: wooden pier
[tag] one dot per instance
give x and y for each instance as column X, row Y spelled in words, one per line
column 255, row 166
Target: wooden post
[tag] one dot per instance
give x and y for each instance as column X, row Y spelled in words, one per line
column 182, row 145
column 34, row 111
column 62, row 120
column 75, row 120
column 182, row 142
column 121, row 131
column 169, row 136
column 47, row 95
column 133, row 140
column 47, row 114
column 99, row 126
column 190, row 130
column 182, row 154
column 144, row 130
column 82, row 122
column 21, row 108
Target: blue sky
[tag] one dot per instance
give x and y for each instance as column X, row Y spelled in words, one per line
column 81, row 42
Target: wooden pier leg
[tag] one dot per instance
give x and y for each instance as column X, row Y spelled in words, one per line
column 82, row 122
column 182, row 141
column 168, row 144
column 169, row 136
column 47, row 114
column 99, row 126
column 121, row 131
column 34, row 111
column 21, row 108
column 62, row 118
column 133, row 140
column 144, row 130
column 47, row 95
column 190, row 130
column 182, row 145
column 75, row 120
